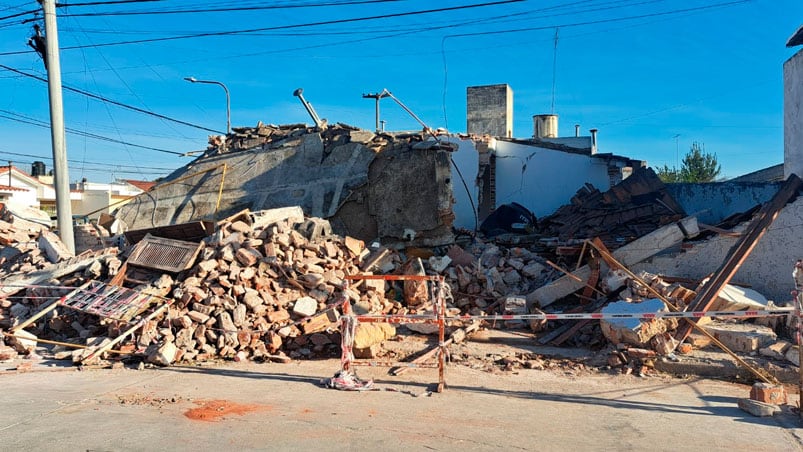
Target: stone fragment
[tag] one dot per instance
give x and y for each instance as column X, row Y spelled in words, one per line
column 368, row 334
column 23, row 341
column 248, row 256
column 757, row 408
column 793, row 355
column 742, row 337
column 162, row 354
column 632, row 331
column 305, row 306
column 532, row 269
column 439, row 264
column 54, row 248
column 777, row 350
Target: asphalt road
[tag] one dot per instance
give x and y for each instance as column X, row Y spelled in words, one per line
column 283, row 407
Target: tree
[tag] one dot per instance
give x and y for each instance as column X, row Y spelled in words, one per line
column 698, row 166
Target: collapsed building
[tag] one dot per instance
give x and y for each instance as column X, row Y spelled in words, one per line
column 259, row 281
column 369, row 186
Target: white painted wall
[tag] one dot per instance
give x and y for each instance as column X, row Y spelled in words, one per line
column 467, row 160
column 768, row 269
column 544, row 179
column 793, row 115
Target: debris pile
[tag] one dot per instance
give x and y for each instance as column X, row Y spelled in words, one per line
column 636, row 206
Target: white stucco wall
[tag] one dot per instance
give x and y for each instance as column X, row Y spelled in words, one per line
column 467, row 160
column 768, row 269
column 793, row 115
column 544, row 179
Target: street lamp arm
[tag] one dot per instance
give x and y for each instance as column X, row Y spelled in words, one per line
column 228, row 97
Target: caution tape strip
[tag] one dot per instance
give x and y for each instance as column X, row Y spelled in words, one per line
column 586, row 316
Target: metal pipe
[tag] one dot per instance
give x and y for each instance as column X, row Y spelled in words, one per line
column 299, row 94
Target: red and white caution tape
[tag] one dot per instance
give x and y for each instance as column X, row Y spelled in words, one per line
column 419, row 318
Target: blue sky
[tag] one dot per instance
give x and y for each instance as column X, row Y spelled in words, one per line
column 652, row 75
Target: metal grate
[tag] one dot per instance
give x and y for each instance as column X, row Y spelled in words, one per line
column 164, row 254
column 111, row 302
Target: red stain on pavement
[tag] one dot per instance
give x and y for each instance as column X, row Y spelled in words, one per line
column 214, row 410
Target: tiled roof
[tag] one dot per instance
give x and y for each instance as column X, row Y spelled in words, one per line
column 10, row 188
column 141, row 184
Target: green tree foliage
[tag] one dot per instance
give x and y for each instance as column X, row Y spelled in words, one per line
column 698, row 166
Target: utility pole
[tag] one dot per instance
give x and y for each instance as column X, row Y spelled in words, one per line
column 61, row 178
column 377, row 96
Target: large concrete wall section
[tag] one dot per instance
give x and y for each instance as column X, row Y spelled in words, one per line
column 369, row 186
column 768, row 269
column 793, row 115
column 713, row 202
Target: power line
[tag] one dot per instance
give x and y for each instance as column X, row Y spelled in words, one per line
column 600, row 21
column 111, row 165
column 113, row 102
column 285, row 27
column 39, row 123
column 113, row 2
column 230, row 9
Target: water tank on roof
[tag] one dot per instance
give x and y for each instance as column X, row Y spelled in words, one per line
column 38, row 169
column 545, row 126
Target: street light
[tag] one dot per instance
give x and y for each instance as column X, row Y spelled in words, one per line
column 228, row 98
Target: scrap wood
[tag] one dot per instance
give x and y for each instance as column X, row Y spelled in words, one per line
column 600, row 247
column 740, row 251
column 456, row 337
column 63, row 344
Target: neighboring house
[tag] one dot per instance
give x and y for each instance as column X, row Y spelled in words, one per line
column 21, row 188
column 97, row 198
column 541, row 173
column 793, row 108
column 86, row 198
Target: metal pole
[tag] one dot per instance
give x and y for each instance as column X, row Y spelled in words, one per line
column 228, row 98
column 61, row 178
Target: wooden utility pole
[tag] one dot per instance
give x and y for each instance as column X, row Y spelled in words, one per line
column 61, row 178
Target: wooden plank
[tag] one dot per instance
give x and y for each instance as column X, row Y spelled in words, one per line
column 632, row 253
column 12, row 285
column 741, row 250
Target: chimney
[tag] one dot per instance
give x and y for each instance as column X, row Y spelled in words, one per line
column 593, row 141
column 577, row 130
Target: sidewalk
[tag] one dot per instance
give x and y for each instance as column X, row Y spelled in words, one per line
column 283, row 407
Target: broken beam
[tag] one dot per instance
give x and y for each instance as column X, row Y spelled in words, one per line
column 739, row 252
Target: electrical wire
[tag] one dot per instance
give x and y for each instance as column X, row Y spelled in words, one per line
column 113, row 102
column 39, row 123
column 285, row 27
column 230, row 9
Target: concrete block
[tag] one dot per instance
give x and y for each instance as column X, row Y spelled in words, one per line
column 23, row 341
column 163, row 354
column 768, row 393
column 793, row 355
column 759, row 409
column 264, row 218
column 633, row 331
column 54, row 248
column 368, row 334
column 776, row 350
column 742, row 337
column 305, row 306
